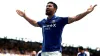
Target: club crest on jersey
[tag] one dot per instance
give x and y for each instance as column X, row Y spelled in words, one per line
column 53, row 21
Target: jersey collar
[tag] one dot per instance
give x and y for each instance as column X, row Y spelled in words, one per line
column 52, row 18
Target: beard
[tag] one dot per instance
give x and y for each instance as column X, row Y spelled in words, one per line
column 48, row 12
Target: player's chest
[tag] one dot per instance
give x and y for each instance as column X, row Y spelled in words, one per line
column 51, row 25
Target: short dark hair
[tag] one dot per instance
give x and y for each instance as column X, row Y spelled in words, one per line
column 54, row 4
column 81, row 48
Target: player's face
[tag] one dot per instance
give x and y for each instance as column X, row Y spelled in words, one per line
column 78, row 50
column 50, row 10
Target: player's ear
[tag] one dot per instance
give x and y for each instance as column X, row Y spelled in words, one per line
column 55, row 9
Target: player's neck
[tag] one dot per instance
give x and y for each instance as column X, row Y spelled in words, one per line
column 82, row 51
column 50, row 16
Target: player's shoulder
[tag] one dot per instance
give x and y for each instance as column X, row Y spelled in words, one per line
column 78, row 53
column 39, row 53
column 59, row 17
column 43, row 20
column 85, row 54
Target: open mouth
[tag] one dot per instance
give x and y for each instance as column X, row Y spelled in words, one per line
column 47, row 10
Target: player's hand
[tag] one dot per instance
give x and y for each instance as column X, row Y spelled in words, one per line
column 91, row 8
column 21, row 13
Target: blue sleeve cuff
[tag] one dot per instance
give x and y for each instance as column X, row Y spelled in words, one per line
column 39, row 23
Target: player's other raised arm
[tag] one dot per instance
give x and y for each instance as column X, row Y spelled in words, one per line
column 81, row 15
column 31, row 21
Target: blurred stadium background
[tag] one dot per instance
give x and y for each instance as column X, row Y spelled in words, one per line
column 13, row 47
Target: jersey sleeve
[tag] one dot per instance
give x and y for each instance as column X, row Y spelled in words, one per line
column 64, row 20
column 40, row 23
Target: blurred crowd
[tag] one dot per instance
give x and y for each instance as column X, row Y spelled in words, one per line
column 17, row 47
column 11, row 47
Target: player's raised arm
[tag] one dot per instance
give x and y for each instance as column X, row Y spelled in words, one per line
column 80, row 16
column 31, row 21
